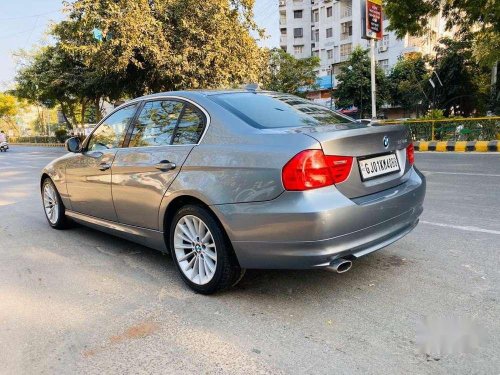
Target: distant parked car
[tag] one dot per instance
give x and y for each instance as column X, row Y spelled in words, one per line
column 230, row 180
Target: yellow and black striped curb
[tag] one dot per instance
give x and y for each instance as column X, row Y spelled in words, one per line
column 37, row 144
column 457, row 146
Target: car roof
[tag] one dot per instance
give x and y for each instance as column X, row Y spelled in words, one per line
column 202, row 92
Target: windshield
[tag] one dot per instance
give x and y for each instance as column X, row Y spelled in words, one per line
column 265, row 110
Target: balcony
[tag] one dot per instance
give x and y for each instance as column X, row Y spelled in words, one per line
column 282, row 3
column 345, row 37
column 283, row 40
column 346, row 11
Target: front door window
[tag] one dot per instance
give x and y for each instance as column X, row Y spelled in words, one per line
column 111, row 132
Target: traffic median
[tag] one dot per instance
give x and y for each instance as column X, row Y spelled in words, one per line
column 457, row 146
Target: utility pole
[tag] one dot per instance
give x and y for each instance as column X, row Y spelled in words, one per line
column 371, row 20
column 494, row 74
column 373, row 70
column 331, row 88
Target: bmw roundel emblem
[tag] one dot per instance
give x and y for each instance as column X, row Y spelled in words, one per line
column 386, row 141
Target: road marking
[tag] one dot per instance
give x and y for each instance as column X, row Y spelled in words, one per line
column 464, row 174
column 465, row 228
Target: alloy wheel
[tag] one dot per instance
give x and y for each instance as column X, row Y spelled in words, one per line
column 195, row 249
column 50, row 203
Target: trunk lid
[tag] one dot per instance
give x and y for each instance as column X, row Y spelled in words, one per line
column 362, row 142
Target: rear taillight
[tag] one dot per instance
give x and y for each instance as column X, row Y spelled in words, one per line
column 340, row 167
column 311, row 169
column 410, row 154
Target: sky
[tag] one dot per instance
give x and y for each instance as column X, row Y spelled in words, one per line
column 23, row 24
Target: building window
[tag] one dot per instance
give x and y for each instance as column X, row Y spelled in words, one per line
column 345, row 51
column 384, row 64
column 315, row 16
column 329, row 11
column 346, row 30
column 329, row 54
column 316, row 35
column 282, row 17
column 385, row 40
column 315, row 53
column 298, row 32
column 383, row 44
column 298, row 50
column 283, row 31
column 329, row 32
column 297, row 14
column 346, row 10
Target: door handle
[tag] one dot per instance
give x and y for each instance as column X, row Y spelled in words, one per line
column 104, row 166
column 165, row 165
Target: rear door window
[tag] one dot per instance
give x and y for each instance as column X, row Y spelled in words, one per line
column 156, row 123
column 265, row 110
column 190, row 127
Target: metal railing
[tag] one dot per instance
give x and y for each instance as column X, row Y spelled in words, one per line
column 34, row 139
column 457, row 129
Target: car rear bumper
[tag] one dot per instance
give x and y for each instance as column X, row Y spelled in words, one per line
column 310, row 229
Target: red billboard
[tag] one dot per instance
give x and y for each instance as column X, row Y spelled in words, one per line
column 373, row 19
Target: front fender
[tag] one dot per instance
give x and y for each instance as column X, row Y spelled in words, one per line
column 56, row 170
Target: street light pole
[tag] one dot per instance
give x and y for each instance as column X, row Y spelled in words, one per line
column 331, row 87
column 374, row 89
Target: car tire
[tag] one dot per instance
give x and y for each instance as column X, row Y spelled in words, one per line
column 53, row 205
column 206, row 264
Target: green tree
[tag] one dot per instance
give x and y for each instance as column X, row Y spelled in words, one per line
column 408, row 82
column 465, row 82
column 285, row 73
column 52, row 77
column 480, row 16
column 161, row 45
column 9, row 107
column 354, row 86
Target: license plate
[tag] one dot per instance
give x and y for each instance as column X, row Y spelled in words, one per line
column 378, row 166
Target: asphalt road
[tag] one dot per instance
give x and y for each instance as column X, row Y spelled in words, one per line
column 79, row 301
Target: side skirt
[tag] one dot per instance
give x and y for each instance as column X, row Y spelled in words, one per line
column 147, row 237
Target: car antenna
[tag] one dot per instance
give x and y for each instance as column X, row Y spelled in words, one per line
column 252, row 87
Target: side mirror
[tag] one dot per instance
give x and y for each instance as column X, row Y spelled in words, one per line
column 73, row 144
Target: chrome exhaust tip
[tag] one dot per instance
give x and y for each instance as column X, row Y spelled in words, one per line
column 340, row 265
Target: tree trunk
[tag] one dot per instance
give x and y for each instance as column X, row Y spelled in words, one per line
column 97, row 110
column 72, row 114
column 84, row 108
column 63, row 111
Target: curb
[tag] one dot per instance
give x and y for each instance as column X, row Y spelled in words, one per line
column 38, row 144
column 457, row 146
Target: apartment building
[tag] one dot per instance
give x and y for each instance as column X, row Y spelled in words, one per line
column 331, row 29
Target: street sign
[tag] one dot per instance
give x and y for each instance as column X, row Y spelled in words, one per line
column 373, row 20
column 97, row 34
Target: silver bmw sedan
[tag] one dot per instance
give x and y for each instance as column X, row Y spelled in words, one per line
column 230, row 180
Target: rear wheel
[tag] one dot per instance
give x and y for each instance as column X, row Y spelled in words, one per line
column 201, row 252
column 53, row 206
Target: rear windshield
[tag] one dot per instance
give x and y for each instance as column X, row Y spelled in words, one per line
column 265, row 110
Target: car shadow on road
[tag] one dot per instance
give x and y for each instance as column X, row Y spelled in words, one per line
column 367, row 272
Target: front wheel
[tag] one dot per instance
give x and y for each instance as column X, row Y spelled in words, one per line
column 53, row 205
column 201, row 251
